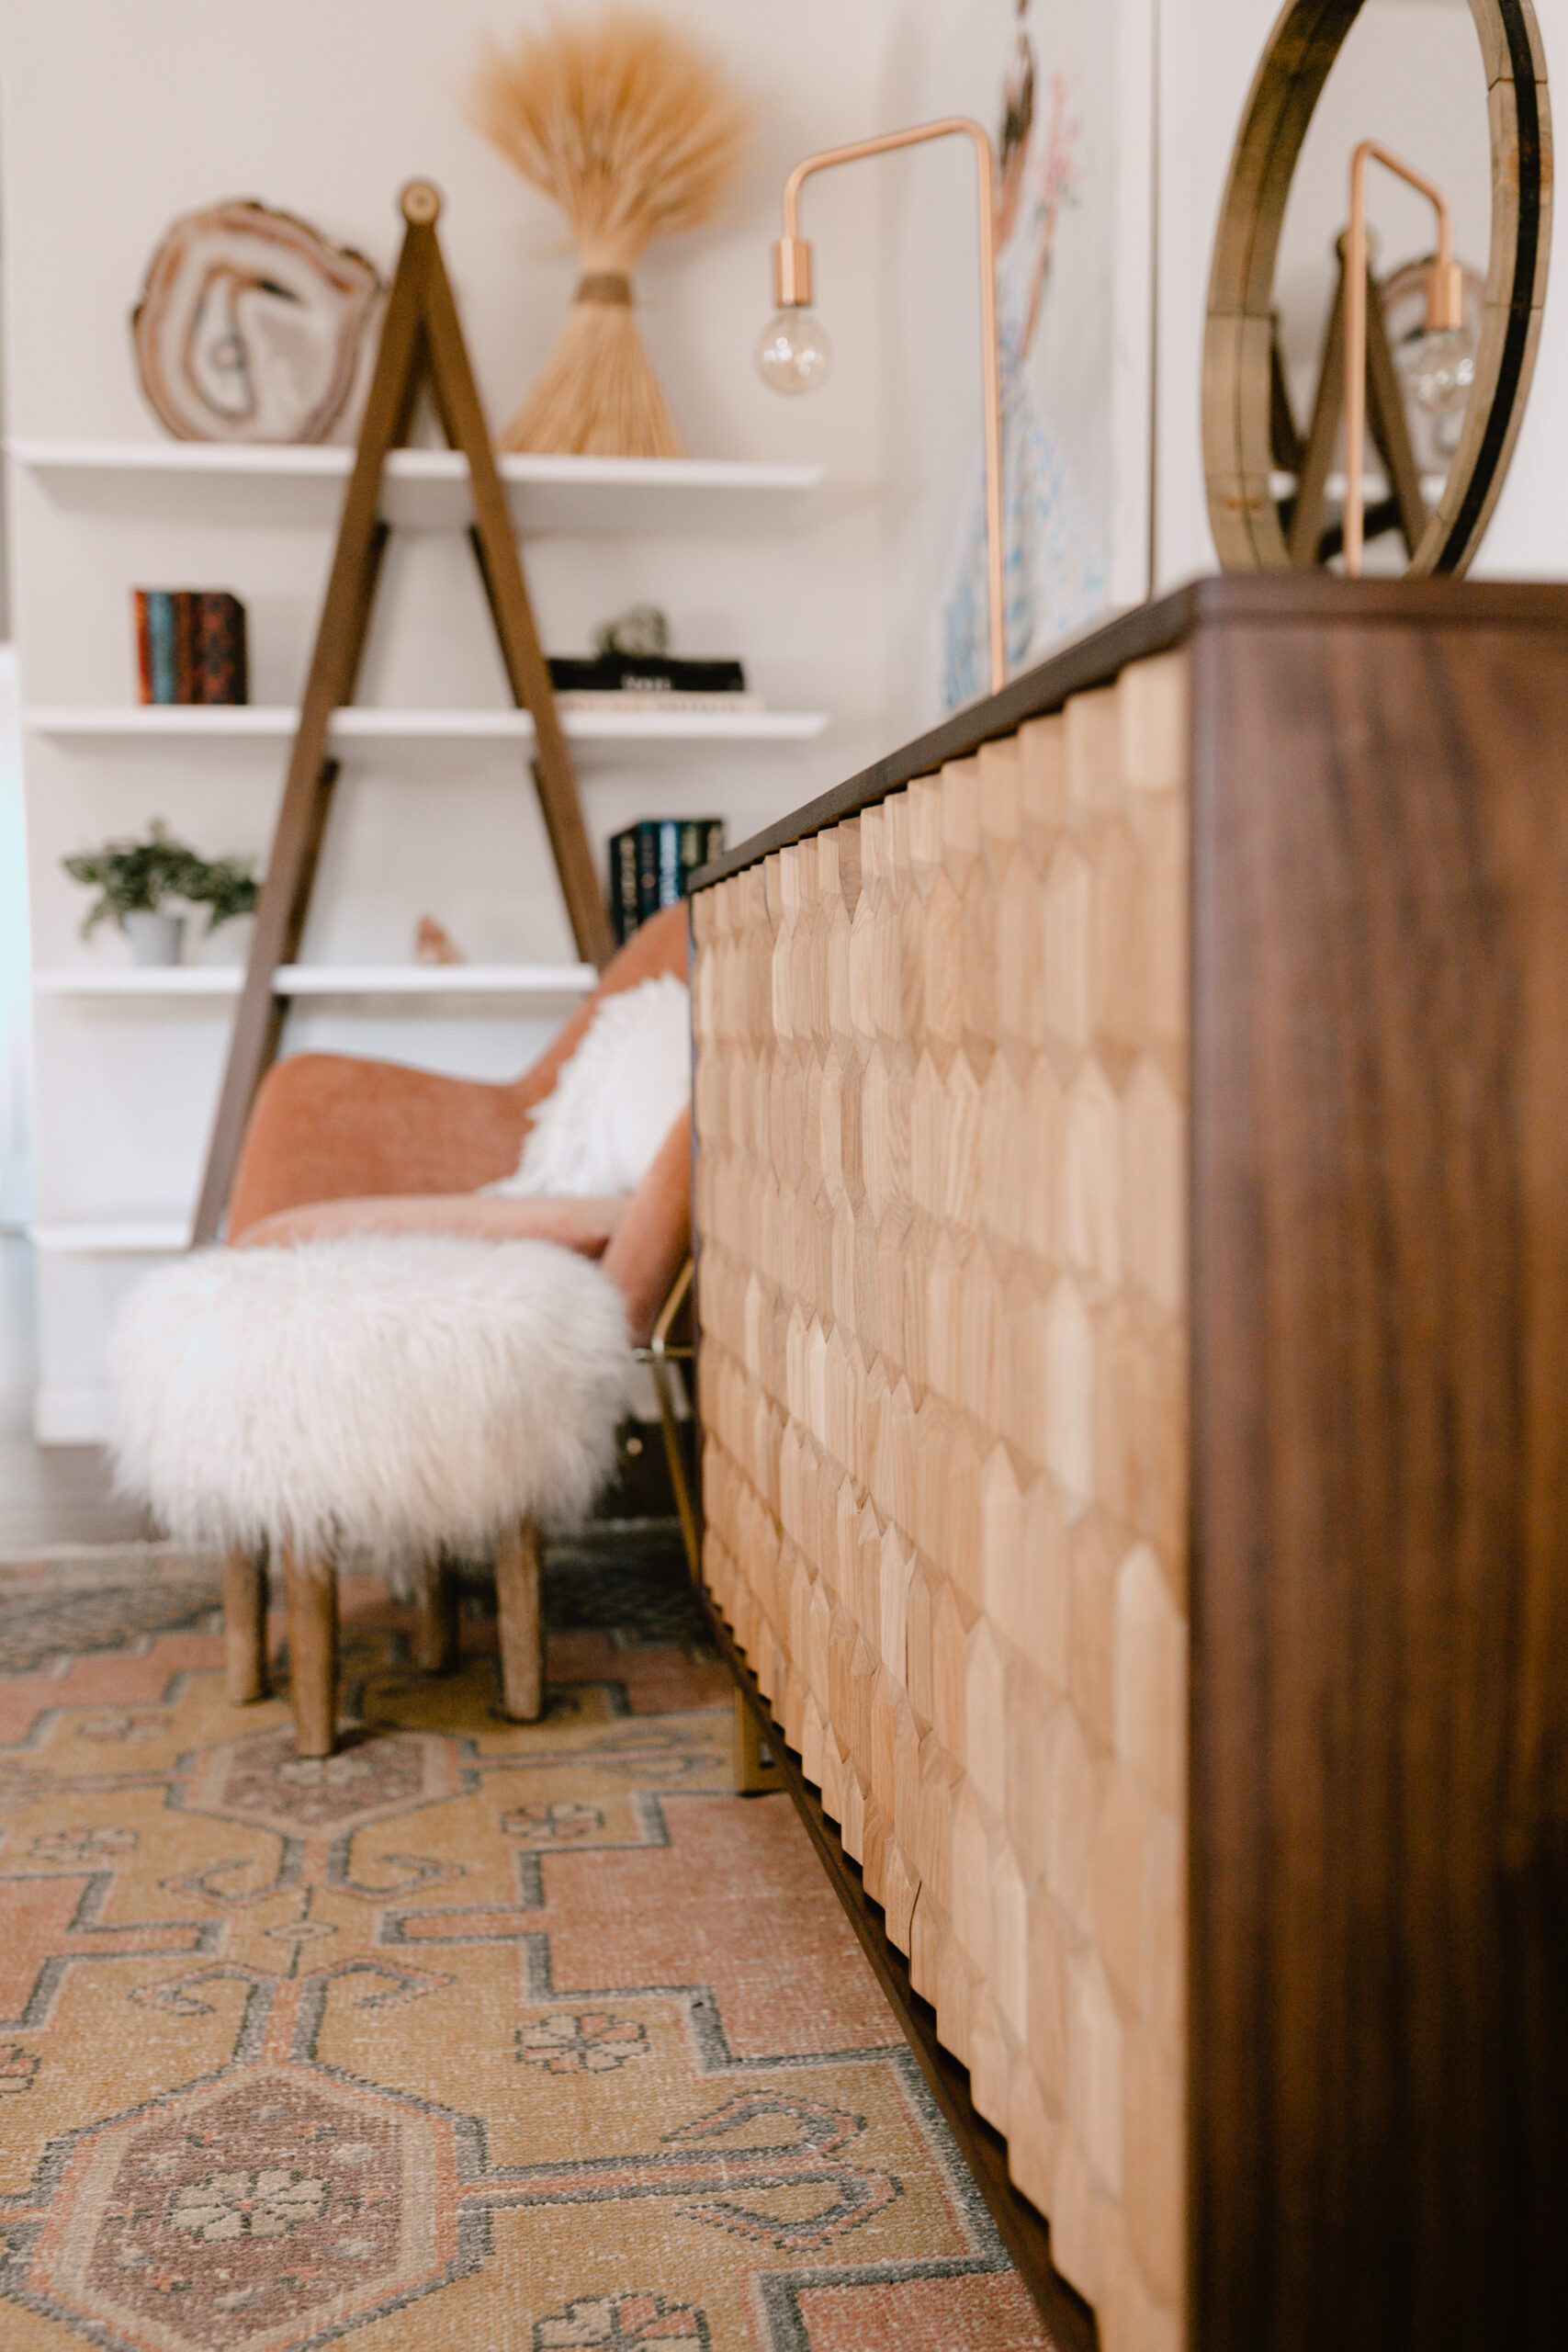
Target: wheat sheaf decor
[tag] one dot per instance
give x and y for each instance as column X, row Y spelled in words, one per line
column 634, row 132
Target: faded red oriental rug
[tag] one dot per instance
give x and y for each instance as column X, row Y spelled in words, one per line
column 475, row 2038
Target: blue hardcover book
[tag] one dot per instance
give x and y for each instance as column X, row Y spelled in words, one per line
column 668, row 861
column 163, row 665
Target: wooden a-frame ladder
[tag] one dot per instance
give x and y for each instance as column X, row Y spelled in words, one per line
column 419, row 336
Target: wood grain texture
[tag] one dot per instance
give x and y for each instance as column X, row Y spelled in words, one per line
column 421, row 333
column 940, row 1105
column 495, row 548
column 245, row 1628
column 1380, row 1727
column 285, row 892
column 437, row 1601
column 520, row 1610
column 925, row 1005
column 312, row 1587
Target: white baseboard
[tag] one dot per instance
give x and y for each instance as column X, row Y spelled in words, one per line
column 75, row 1415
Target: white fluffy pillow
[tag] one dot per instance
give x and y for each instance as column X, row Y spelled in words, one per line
column 599, row 1129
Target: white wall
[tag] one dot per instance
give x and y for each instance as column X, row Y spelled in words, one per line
column 15, row 1036
column 118, row 115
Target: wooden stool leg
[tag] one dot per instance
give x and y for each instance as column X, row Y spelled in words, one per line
column 312, row 1652
column 756, row 1771
column 435, row 1628
column 517, row 1580
column 244, row 1627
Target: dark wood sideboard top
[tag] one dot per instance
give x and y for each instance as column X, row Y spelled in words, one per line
column 1096, row 658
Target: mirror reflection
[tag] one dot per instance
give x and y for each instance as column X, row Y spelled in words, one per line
column 1410, row 77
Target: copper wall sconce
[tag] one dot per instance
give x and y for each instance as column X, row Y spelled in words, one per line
column 793, row 354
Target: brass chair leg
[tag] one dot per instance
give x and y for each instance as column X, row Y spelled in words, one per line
column 519, row 1605
column 435, row 1624
column 660, row 1356
column 244, row 1627
column 674, row 1453
column 757, row 1774
column 312, row 1652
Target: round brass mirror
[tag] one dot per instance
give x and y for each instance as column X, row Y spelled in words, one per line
column 1266, row 470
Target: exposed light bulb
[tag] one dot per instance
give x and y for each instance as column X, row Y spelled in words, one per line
column 1439, row 368
column 792, row 351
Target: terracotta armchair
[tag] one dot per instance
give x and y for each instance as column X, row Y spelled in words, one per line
column 337, row 1144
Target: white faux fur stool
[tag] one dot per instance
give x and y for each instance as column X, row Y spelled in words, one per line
column 394, row 1392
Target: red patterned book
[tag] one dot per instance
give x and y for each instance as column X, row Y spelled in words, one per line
column 184, row 602
column 143, row 648
column 218, row 670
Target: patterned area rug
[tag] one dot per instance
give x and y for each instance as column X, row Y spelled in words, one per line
column 474, row 2038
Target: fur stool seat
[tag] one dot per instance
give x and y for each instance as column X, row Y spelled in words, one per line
column 419, row 1392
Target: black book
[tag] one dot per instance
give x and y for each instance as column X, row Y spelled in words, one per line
column 651, row 865
column 643, row 672
column 623, row 884
column 647, row 868
column 702, row 840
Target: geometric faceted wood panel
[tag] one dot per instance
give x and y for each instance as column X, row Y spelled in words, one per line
column 941, row 1114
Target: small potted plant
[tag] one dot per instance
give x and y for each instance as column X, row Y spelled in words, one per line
column 135, row 879
column 226, row 886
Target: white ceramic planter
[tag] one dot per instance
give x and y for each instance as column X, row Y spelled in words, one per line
column 154, row 937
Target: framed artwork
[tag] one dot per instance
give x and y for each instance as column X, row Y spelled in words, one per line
column 1067, row 93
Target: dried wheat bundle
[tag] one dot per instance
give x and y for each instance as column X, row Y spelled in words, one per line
column 635, row 134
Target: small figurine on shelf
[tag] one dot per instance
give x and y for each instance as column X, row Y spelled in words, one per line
column 640, row 630
column 134, row 878
column 631, row 656
column 433, row 943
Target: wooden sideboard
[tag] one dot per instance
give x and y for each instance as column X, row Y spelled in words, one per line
column 1132, row 1216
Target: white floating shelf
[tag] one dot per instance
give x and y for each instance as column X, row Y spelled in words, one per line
column 121, row 725
column 423, row 489
column 531, row 980
column 131, row 1239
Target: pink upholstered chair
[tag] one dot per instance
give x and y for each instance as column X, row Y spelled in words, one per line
column 337, row 1144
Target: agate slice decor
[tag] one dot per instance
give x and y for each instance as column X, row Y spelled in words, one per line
column 249, row 325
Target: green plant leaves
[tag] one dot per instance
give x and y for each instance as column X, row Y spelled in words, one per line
column 134, row 877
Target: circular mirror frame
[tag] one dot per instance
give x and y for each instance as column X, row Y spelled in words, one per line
column 1295, row 64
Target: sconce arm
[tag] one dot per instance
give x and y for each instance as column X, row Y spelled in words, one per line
column 1445, row 308
column 792, row 289
column 1370, row 152
column 953, row 126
